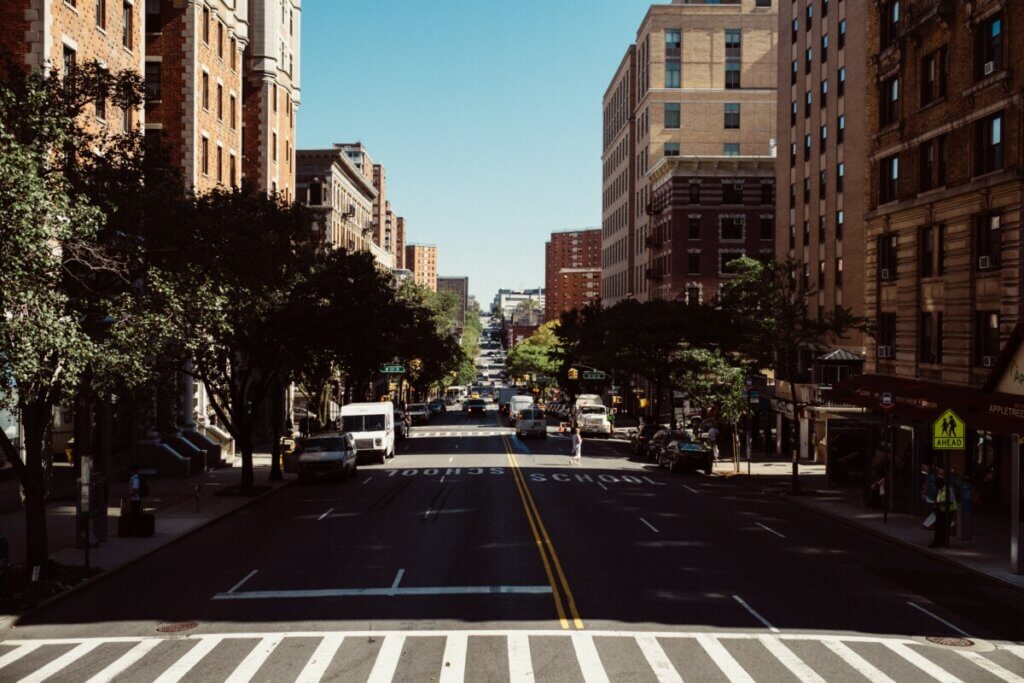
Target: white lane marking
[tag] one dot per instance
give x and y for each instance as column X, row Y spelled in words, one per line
column 187, row 662
column 324, row 516
column 936, row 617
column 1014, row 649
column 690, row 488
column 757, row 615
column 601, row 484
column 245, row 671
column 387, row 660
column 390, row 592
column 398, row 580
column 317, row 665
column 789, row 659
column 991, row 667
column 589, row 660
column 649, row 525
column 442, row 478
column 856, row 662
column 19, row 652
column 769, row 529
column 242, row 582
column 658, row 660
column 451, row 458
column 367, row 481
column 520, row 664
column 923, row 663
column 65, row 660
column 453, row 663
column 124, row 662
column 427, row 513
column 725, row 661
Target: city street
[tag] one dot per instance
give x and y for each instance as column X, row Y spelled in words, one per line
column 476, row 555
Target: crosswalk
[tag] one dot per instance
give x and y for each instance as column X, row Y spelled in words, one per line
column 517, row 656
column 460, row 433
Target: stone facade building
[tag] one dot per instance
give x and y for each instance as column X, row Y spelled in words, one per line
column 572, row 271
column 328, row 182
column 421, row 259
column 399, row 243
column 459, row 285
column 705, row 81
column 194, row 67
column 270, row 95
column 618, row 174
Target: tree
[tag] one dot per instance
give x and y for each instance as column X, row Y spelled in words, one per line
column 711, row 383
column 535, row 355
column 769, row 324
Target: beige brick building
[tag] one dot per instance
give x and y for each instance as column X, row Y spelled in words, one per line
column 400, row 243
column 57, row 34
column 193, row 72
column 421, row 259
column 329, row 183
column 618, row 161
column 270, row 95
column 704, row 87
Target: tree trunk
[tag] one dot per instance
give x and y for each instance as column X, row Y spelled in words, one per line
column 244, row 426
column 276, row 425
column 35, row 418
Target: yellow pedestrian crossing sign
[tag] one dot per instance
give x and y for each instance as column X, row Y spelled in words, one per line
column 949, row 433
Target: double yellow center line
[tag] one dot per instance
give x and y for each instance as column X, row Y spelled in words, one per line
column 565, row 604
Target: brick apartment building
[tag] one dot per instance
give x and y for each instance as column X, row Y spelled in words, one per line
column 700, row 83
column 270, row 95
column 421, row 259
column 399, row 243
column 822, row 170
column 194, row 68
column 459, row 285
column 56, row 35
column 572, row 271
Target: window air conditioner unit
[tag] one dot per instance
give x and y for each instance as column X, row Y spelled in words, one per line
column 985, row 263
column 885, row 352
column 989, row 68
column 988, row 361
column 885, row 273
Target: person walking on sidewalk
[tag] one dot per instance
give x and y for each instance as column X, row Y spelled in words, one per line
column 577, row 447
column 713, row 440
column 945, row 503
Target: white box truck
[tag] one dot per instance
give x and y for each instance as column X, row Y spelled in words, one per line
column 373, row 427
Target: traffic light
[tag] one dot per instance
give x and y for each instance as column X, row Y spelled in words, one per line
column 574, row 374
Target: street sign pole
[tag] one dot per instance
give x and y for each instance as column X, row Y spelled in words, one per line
column 1016, row 537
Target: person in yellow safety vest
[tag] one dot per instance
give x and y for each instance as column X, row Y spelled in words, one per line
column 943, row 507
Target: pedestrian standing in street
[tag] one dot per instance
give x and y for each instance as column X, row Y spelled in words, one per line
column 577, row 447
column 135, row 494
column 945, row 503
column 713, row 440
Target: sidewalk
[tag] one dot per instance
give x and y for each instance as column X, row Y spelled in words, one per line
column 172, row 501
column 987, row 553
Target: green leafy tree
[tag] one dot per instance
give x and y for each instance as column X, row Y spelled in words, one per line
column 535, row 355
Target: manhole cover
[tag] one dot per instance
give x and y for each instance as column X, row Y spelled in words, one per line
column 176, row 626
column 950, row 642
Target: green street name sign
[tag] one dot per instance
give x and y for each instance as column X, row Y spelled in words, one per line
column 392, row 369
column 949, row 433
column 594, row 375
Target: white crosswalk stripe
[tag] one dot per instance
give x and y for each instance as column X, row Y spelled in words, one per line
column 73, row 659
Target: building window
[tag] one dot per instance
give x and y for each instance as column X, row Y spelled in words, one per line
column 824, row 93
column 822, row 184
column 886, row 335
column 807, row 147
column 986, row 338
column 731, row 228
column 673, row 39
column 126, row 119
column 795, row 29
column 693, row 263
column 889, row 179
column 672, row 115
column 232, row 111
column 101, row 104
column 988, row 144
column 841, row 128
column 793, row 73
column 887, row 257
column 692, row 295
column 767, row 193
column 768, row 227
column 732, row 75
column 220, row 102
column 823, row 134
column 807, row 190
column 695, row 193
column 842, row 81
column 693, row 227
column 933, row 76
column 220, row 164
column 792, row 113
column 840, row 219
column 808, row 98
column 153, row 74
column 988, row 241
column 220, row 40
column 234, row 53
column 840, row 176
column 101, row 14
column 153, row 21
column 205, row 155
column 127, row 25
column 824, row 48
column 889, row 107
column 232, row 177
column 732, row 115
column 808, row 60
column 206, row 24
column 842, row 33
column 809, row 17
column 671, row 149
column 732, row 193
column 890, row 23
column 839, row 272
column 70, row 58
column 988, row 47
column 206, row 91
column 930, row 346
column 821, row 229
column 673, row 76
column 731, row 149
column 930, row 249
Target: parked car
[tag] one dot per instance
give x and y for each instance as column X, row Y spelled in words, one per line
column 660, row 439
column 643, row 437
column 327, row 455
column 401, row 425
column 419, row 413
column 686, row 454
column 437, row 406
column 476, row 406
column 532, row 422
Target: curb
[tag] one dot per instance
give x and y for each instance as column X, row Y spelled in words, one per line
column 836, row 517
column 9, row 622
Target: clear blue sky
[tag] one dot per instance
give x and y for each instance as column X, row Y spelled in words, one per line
column 486, row 114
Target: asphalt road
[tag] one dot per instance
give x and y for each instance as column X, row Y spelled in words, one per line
column 475, row 555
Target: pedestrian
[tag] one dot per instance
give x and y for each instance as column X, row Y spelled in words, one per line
column 577, row 447
column 713, row 440
column 136, row 493
column 945, row 503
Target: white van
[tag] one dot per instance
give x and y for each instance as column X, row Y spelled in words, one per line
column 516, row 405
column 373, row 426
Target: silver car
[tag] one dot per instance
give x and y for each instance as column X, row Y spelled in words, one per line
column 327, row 455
